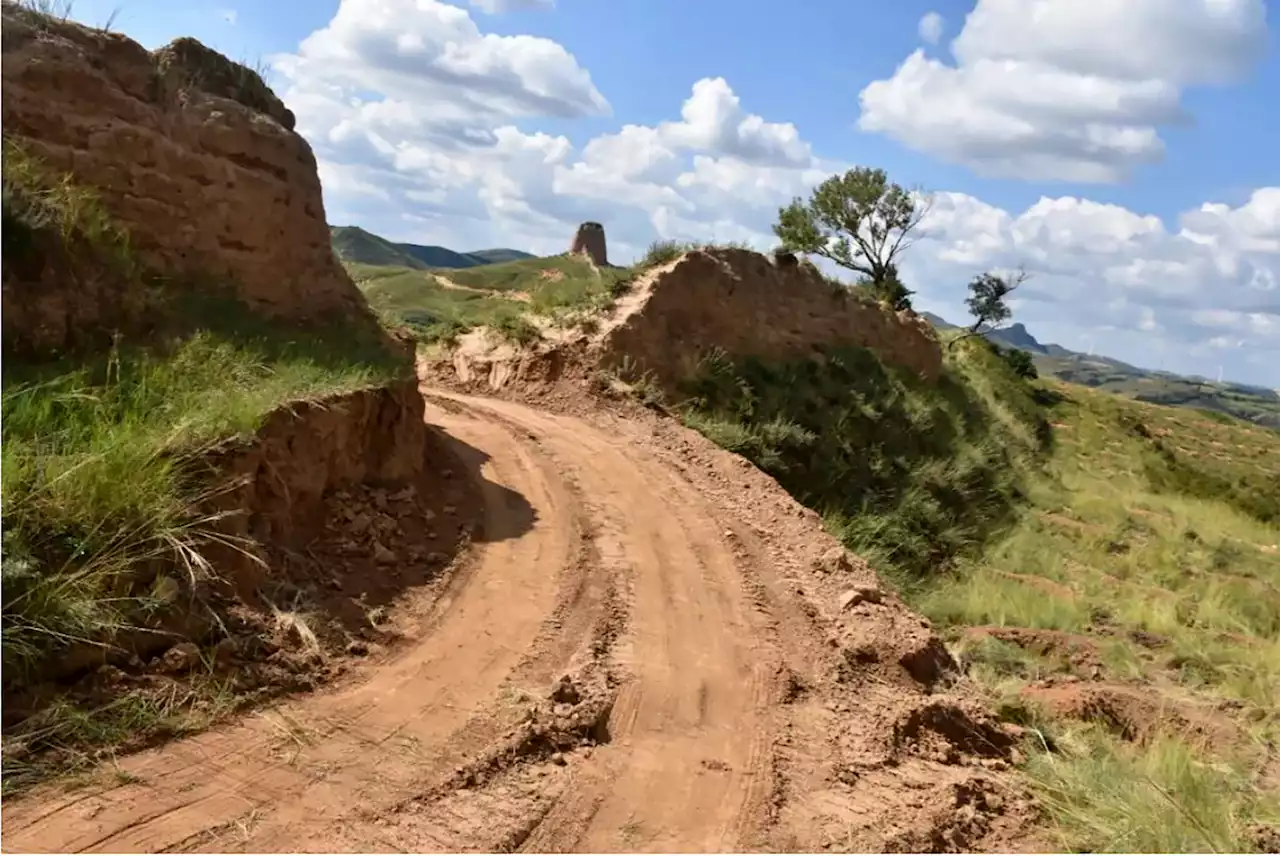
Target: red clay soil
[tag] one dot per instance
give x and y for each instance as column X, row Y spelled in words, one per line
column 1137, row 713
column 1078, row 654
column 649, row 647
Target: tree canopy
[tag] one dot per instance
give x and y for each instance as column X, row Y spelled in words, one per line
column 987, row 298
column 861, row 221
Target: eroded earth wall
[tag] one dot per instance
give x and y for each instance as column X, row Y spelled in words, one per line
column 739, row 302
column 188, row 151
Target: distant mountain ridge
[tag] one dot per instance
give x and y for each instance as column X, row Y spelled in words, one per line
column 1251, row 403
column 353, row 244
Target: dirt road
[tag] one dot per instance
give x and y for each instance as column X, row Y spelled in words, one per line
column 646, row 652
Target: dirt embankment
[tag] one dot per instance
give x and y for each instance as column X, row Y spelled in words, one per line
column 741, row 303
column 325, row 524
column 189, row 152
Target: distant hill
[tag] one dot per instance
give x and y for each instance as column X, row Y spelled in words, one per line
column 1250, row 403
column 353, row 244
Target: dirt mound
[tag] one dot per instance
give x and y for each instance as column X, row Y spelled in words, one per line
column 190, row 153
column 1136, row 712
column 1076, row 653
column 740, row 303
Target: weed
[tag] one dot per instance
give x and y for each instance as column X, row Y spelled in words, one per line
column 37, row 201
column 1162, row 797
column 57, row 10
column 518, row 329
column 630, row 379
column 70, row 737
column 992, row 660
column 663, row 252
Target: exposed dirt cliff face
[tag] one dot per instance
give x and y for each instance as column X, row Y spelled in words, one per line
column 279, row 490
column 739, row 302
column 304, row 453
column 189, row 152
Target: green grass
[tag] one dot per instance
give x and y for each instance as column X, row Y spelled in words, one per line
column 665, row 251
column 911, row 474
column 40, row 206
column 434, row 313
column 1118, row 539
column 99, row 474
column 1162, row 797
column 527, row 275
column 1121, row 546
column 98, row 478
column 563, row 288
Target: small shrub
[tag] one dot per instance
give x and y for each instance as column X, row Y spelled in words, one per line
column 518, row 329
column 1020, row 363
column 663, row 252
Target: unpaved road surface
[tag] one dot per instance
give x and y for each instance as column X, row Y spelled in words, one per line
column 652, row 648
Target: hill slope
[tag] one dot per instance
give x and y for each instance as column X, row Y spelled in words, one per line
column 1250, row 403
column 353, row 244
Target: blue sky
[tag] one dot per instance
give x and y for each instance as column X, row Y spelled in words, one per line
column 1052, row 130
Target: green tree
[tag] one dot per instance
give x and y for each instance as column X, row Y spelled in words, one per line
column 987, row 301
column 862, row 222
column 1020, row 362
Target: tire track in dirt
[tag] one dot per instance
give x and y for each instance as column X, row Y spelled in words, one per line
column 724, row 698
column 286, row 777
column 688, row 762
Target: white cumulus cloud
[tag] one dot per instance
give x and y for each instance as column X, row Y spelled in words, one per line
column 1063, row 89
column 497, row 7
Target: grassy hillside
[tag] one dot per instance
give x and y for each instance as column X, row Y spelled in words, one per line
column 1152, row 550
column 1249, row 403
column 353, row 244
column 498, row 255
column 444, row 304
column 1108, row 571
column 912, row 474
